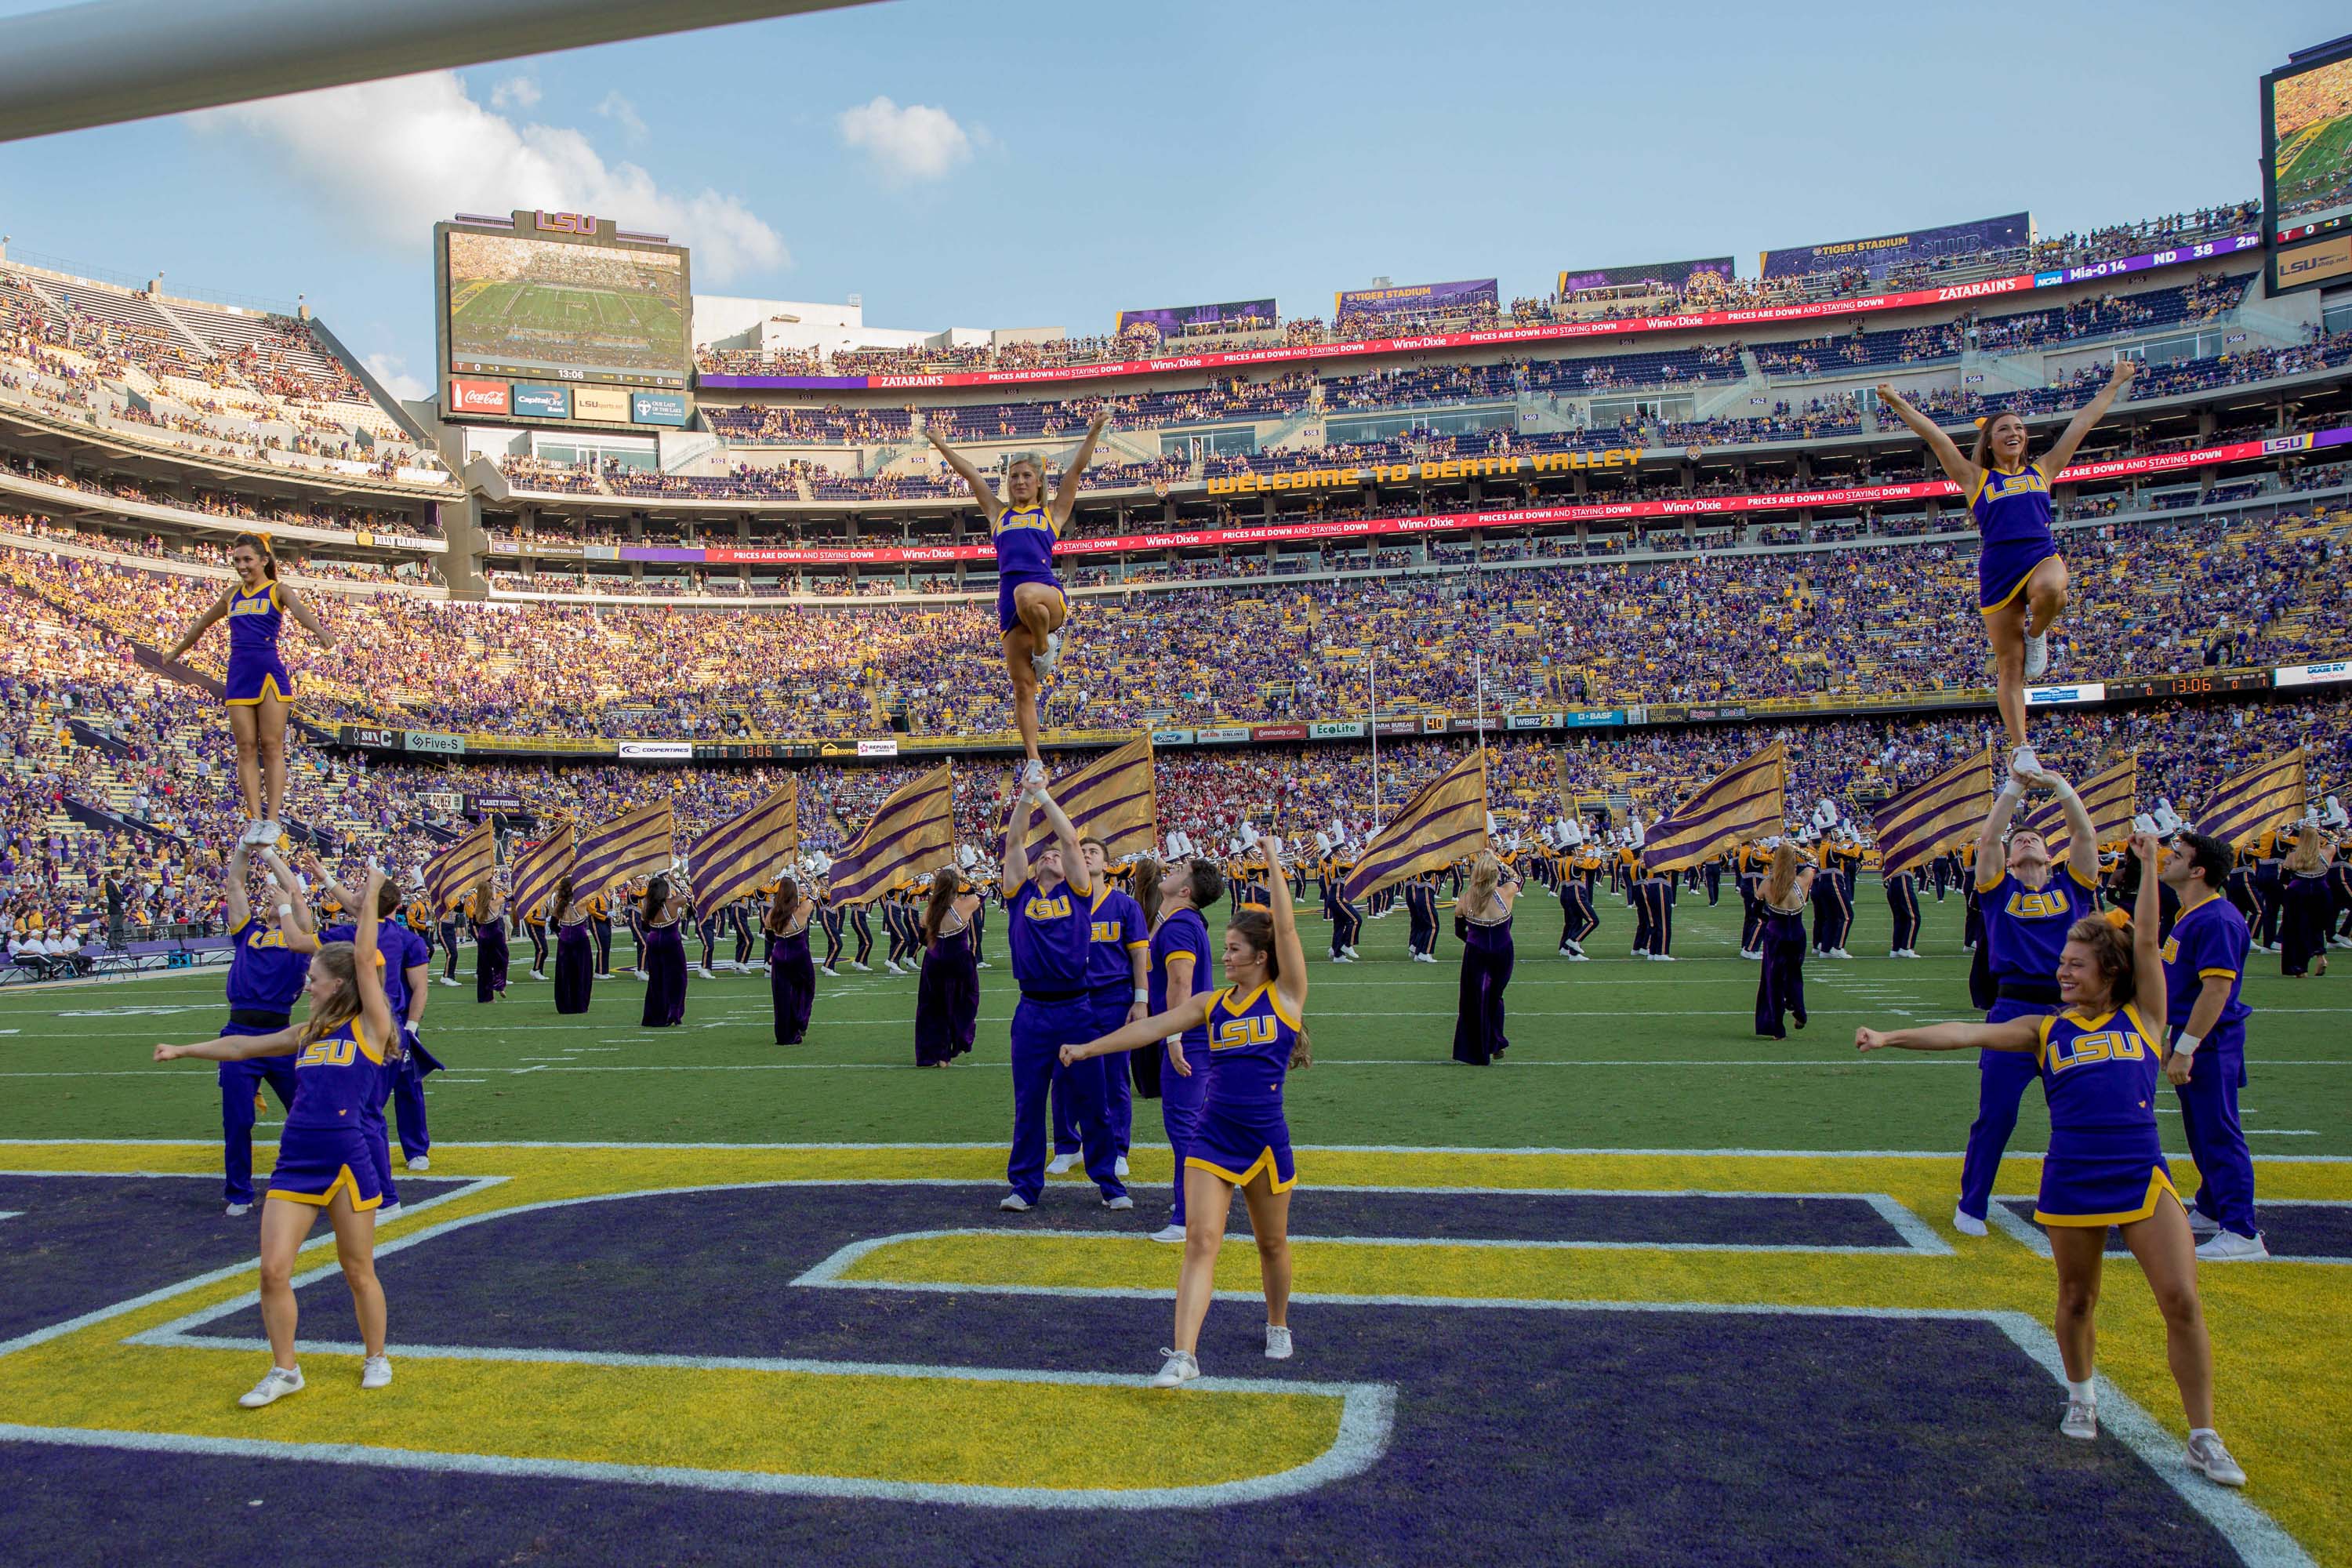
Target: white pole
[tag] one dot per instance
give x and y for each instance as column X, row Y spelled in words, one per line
column 1377, row 812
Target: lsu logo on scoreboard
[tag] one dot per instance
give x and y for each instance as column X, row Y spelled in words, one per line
column 580, row 224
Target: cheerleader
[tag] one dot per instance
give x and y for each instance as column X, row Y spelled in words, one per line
column 2021, row 576
column 661, row 953
column 407, row 966
column 486, row 911
column 2027, row 909
column 1781, row 938
column 947, row 996
column 2098, row 1061
column 1483, row 920
column 1258, row 1034
column 265, row 976
column 323, row 1160
column 259, row 692
column 575, row 949
column 1180, row 971
column 2204, row 970
column 1031, row 605
column 792, row 978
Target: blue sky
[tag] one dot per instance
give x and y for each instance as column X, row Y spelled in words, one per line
column 1052, row 162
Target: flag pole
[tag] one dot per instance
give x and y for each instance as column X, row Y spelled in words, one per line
column 1378, row 812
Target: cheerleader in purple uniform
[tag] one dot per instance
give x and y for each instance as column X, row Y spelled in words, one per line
column 1181, row 970
column 323, row 1158
column 947, row 996
column 266, row 974
column 2021, row 576
column 2098, row 1061
column 1257, row 1033
column 792, row 977
column 1031, row 605
column 259, row 691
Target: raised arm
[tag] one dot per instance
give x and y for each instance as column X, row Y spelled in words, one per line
column 1956, row 467
column 236, row 902
column 1066, row 494
column 1292, row 985
column 1189, row 1014
column 2147, row 953
column 296, row 916
column 2062, row 450
column 367, row 964
column 982, row 493
column 2017, row 1035
column 1996, row 824
column 1016, row 845
column 294, row 606
column 1074, row 864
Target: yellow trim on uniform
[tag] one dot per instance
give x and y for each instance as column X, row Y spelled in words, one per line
column 269, row 689
column 2225, row 974
column 2158, row 1185
column 320, row 1199
column 1274, row 999
column 2010, row 597
column 1977, row 489
column 1265, row 1162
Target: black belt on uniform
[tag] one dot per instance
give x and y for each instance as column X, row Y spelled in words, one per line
column 1052, row 995
column 2042, row 993
column 258, row 1019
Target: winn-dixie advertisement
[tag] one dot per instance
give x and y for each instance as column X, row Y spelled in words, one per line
column 1550, row 331
column 1511, row 516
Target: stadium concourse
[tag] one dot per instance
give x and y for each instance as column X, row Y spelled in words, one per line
column 699, row 1288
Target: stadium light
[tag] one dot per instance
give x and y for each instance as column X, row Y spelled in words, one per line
column 111, row 60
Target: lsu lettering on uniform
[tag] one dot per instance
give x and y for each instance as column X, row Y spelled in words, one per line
column 2024, row 932
column 265, row 976
column 2012, row 517
column 1051, row 938
column 256, row 670
column 2105, row 1166
column 1025, row 539
column 323, row 1149
column 2211, row 941
column 1242, row 1129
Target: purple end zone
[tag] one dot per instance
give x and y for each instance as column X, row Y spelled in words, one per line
column 2312, row 1232
column 1623, row 1218
column 85, row 1242
column 1521, row 1435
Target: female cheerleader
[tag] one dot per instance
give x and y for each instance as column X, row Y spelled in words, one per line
column 575, row 949
column 1031, row 606
column 1180, row 971
column 947, row 996
column 792, row 978
column 323, row 1160
column 1485, row 925
column 265, row 976
column 1257, row 1033
column 2027, row 911
column 1781, row 938
column 259, row 692
column 2021, row 576
column 2098, row 1063
column 661, row 953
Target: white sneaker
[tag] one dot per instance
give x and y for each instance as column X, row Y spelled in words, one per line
column 1061, row 1165
column 2229, row 1247
column 1118, row 1166
column 445, row 980
column 1662, row 958
column 2037, row 656
column 535, row 974
column 1034, row 771
column 1341, row 958
column 1967, row 1223
column 640, row 975
column 2209, row 1458
column 2024, row 760
column 1171, row 1232
column 1013, row 1202
column 1350, row 951
column 983, row 964
column 861, row 968
column 275, row 1384
column 828, row 973
column 2080, row 1420
column 1839, row 953
column 1572, row 958
column 2203, row 1224
column 1181, row 1369
column 1120, row 1203
column 237, row 1211
column 375, row 1372
column 422, row 1163
column 1044, row 665
column 1278, row 1342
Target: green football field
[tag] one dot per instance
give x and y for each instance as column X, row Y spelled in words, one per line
column 481, row 318
column 1611, row 1054
column 2315, row 165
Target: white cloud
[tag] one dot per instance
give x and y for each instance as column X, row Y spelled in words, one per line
column 391, row 158
column 624, row 113
column 916, row 142
column 393, row 371
column 514, row 92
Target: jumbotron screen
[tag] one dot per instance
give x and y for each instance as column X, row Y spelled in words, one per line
column 2308, row 137
column 565, row 308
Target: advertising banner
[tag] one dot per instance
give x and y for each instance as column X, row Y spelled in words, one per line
column 878, row 748
column 1222, row 735
column 543, row 401
column 1337, row 730
column 1277, row 731
column 480, row 804
column 605, row 404
column 1532, row 722
column 1171, row 737
column 2329, row 674
column 1881, row 254
column 2065, row 696
column 367, row 735
column 1674, row 275
column 1388, row 727
column 478, row 397
column 1413, row 299
column 1200, row 320
column 657, row 750
column 436, row 742
column 1593, row 718
column 656, row 408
